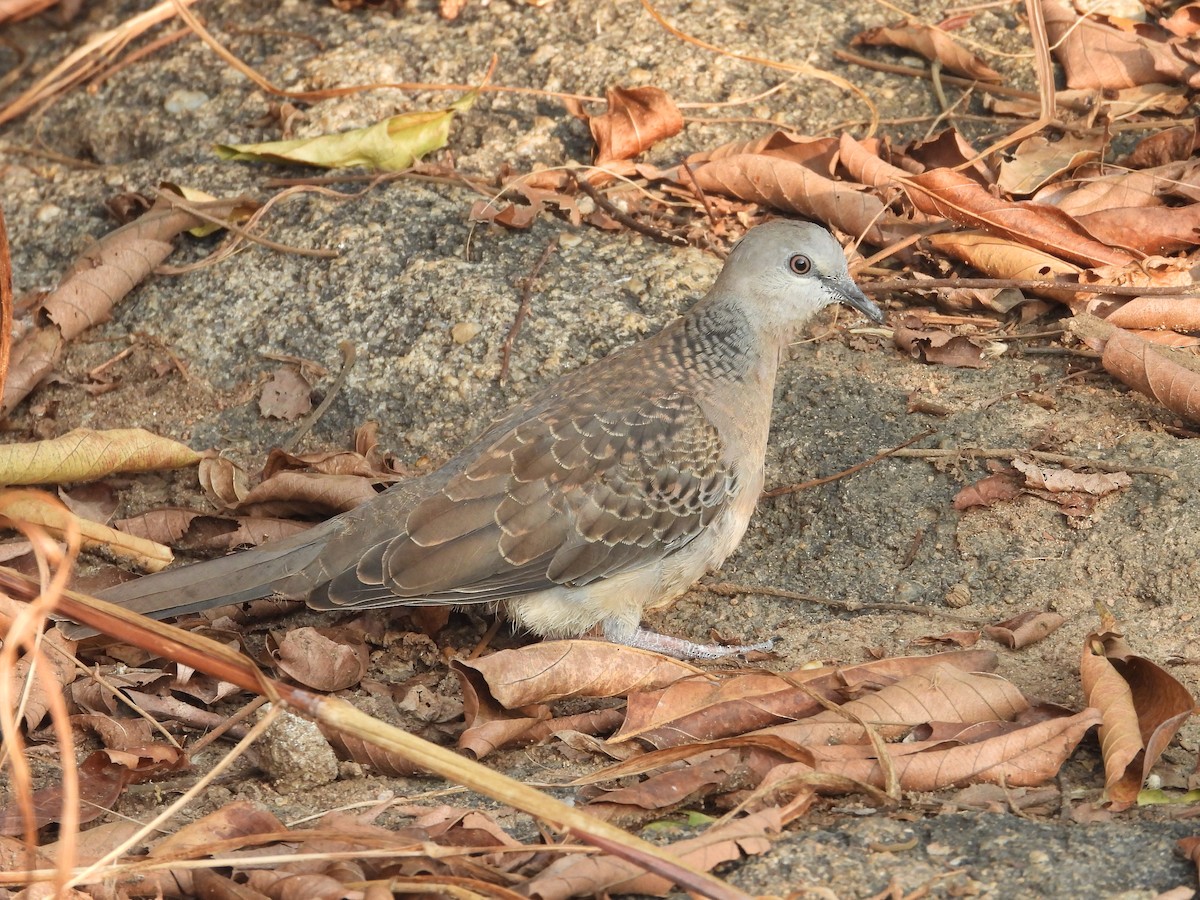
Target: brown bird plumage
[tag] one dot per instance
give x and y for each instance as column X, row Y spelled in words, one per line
column 611, row 490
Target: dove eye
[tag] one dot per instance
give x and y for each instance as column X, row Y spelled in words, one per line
column 800, row 264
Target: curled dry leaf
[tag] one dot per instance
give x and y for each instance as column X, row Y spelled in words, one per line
column 1167, row 146
column 334, row 462
column 635, row 120
column 1146, row 313
column 1058, row 480
column 1038, row 160
column 585, row 875
column 1002, row 258
column 1096, row 189
column 223, row 481
column 790, row 173
column 42, row 509
column 321, row 659
column 1142, row 706
column 998, row 487
column 307, row 493
column 936, row 345
column 552, row 670
column 88, row 290
column 1098, row 56
column 931, row 42
column 1025, row 629
column 1075, row 493
column 954, row 196
column 1149, row 369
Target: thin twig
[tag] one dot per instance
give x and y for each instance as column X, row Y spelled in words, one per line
column 1061, row 459
column 522, row 312
column 805, row 485
column 729, row 589
column 624, row 218
column 695, row 185
column 899, row 285
column 349, row 357
column 197, row 210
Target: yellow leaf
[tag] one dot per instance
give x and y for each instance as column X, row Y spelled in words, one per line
column 38, row 508
column 389, row 146
column 85, row 455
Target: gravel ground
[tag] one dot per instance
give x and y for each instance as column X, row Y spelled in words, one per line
column 411, row 268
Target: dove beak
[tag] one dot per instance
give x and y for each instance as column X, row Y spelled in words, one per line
column 848, row 293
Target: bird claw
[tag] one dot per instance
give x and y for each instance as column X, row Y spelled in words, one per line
column 645, row 639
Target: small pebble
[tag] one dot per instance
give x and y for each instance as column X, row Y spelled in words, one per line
column 569, row 239
column 184, row 101
column 462, row 332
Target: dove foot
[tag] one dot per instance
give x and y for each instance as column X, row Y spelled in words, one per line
column 644, row 639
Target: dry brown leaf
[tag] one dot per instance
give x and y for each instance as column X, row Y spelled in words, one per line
column 582, row 875
column 789, row 173
column 553, row 670
column 238, row 818
column 663, row 792
column 1014, row 756
column 307, row 493
column 1147, row 369
column 287, row 396
column 1058, row 480
column 998, row 487
column 103, row 777
column 196, row 531
column 950, row 194
column 1154, row 231
column 1097, row 56
column 1025, row 629
column 223, row 481
column 949, row 149
column 536, row 198
column 1163, row 147
column 931, row 42
column 324, row 659
column 372, row 464
column 1038, row 160
column 1094, row 191
column 702, row 708
column 1001, row 258
column 936, row 345
column 107, row 271
column 943, row 694
column 1142, row 706
column 1144, row 313
column 53, row 662
column 635, row 120
column 954, row 196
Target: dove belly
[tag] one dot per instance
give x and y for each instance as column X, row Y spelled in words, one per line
column 569, row 611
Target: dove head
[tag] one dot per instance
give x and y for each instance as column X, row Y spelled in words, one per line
column 784, row 272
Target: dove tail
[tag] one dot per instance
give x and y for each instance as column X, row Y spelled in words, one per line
column 274, row 568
